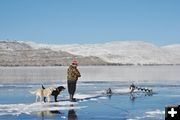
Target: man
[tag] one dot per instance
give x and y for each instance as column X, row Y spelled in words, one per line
column 72, row 76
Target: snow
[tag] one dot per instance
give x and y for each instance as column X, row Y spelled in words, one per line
column 29, row 108
column 125, row 52
column 122, row 91
column 83, row 96
column 155, row 112
column 150, row 114
column 174, row 49
column 17, row 109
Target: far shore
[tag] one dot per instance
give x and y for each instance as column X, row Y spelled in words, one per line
column 113, row 64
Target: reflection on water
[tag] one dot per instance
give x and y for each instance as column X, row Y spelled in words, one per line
column 72, row 115
column 48, row 113
column 134, row 96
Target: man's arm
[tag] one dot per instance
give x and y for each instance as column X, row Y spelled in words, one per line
column 78, row 73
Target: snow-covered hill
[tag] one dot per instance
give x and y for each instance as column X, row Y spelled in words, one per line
column 126, row 52
column 13, row 53
column 174, row 49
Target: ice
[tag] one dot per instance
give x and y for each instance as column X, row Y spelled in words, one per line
column 121, row 90
column 155, row 113
column 17, row 109
column 93, row 99
column 91, row 93
column 63, row 117
column 83, row 96
column 102, row 97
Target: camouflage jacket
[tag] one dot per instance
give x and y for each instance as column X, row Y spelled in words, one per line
column 73, row 73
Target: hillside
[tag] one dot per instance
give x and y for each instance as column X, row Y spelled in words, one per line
column 15, row 53
column 22, row 54
column 126, row 52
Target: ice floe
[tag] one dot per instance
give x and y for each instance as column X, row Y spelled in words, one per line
column 17, row 109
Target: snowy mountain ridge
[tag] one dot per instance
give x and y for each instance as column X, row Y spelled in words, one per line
column 121, row 52
column 15, row 53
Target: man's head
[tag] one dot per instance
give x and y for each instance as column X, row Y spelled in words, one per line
column 74, row 62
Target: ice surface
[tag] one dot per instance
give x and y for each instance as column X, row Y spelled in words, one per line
column 17, row 109
column 155, row 113
column 93, row 103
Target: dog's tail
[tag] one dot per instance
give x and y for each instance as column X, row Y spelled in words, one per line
column 43, row 87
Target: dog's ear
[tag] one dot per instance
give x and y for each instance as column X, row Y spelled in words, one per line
column 62, row 87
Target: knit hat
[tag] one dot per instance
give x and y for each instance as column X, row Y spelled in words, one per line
column 74, row 62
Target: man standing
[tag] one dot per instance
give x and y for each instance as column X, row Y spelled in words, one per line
column 72, row 76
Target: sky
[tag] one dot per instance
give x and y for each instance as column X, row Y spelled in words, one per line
column 90, row 21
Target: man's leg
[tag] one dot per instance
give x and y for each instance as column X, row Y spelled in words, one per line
column 70, row 89
column 73, row 89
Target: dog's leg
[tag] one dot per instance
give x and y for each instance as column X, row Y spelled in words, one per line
column 49, row 98
column 40, row 98
column 36, row 98
column 44, row 99
column 55, row 98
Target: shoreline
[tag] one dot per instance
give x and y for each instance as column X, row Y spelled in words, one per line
column 113, row 64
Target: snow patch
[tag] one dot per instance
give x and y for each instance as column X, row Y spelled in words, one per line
column 155, row 113
column 150, row 114
column 17, row 109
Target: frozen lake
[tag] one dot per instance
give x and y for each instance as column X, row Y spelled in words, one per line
column 90, row 73
column 16, row 102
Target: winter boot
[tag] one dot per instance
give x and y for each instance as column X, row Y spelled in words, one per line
column 73, row 99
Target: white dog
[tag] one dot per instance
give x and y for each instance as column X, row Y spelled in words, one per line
column 43, row 93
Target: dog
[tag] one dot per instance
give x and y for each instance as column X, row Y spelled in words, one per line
column 46, row 92
column 55, row 92
column 132, row 87
column 109, row 91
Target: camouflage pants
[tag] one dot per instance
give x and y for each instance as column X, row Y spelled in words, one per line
column 71, row 86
